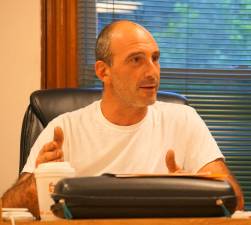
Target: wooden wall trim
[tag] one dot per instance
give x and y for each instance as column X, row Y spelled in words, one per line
column 59, row 43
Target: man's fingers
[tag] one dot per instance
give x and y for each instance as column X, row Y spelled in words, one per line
column 50, row 156
column 52, row 151
column 51, row 146
column 58, row 160
column 58, row 136
column 170, row 162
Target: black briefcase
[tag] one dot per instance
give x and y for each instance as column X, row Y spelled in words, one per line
column 142, row 196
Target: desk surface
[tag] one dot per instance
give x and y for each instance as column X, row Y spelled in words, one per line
column 143, row 221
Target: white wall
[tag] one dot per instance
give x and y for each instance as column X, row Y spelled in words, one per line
column 20, row 35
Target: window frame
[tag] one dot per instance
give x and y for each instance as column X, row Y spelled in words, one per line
column 59, row 44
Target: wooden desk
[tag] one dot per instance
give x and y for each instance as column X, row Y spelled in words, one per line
column 157, row 221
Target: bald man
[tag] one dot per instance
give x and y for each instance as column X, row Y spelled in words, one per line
column 127, row 131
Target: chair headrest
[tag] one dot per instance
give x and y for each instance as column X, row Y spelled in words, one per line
column 50, row 103
column 47, row 104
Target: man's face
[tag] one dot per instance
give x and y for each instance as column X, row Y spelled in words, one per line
column 135, row 70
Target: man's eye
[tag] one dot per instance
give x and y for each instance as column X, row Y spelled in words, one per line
column 135, row 59
column 155, row 58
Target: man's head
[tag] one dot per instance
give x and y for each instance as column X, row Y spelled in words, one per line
column 102, row 50
column 127, row 61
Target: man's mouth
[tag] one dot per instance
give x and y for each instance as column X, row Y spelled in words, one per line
column 148, row 86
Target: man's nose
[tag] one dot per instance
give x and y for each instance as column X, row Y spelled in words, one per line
column 152, row 69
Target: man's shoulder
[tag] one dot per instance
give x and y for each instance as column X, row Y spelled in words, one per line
column 166, row 112
column 170, row 111
column 171, row 106
column 76, row 114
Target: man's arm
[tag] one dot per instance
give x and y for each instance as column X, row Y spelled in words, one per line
column 218, row 166
column 23, row 194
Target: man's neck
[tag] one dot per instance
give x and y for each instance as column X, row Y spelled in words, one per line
column 121, row 114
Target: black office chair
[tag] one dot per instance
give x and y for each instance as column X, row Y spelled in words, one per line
column 45, row 105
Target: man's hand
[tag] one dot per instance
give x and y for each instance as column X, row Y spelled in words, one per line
column 217, row 166
column 23, row 194
column 171, row 163
column 52, row 151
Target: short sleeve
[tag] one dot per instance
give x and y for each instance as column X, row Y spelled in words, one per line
column 45, row 136
column 201, row 146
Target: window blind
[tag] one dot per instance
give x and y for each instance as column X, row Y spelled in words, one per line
column 205, row 54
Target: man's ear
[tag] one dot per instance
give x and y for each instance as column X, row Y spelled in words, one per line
column 102, row 70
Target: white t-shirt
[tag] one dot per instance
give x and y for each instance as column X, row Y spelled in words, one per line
column 93, row 145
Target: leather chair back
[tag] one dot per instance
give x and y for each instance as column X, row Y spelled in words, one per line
column 45, row 105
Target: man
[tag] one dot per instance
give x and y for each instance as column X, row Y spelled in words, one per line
column 127, row 131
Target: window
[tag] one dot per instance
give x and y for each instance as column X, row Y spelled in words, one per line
column 205, row 55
